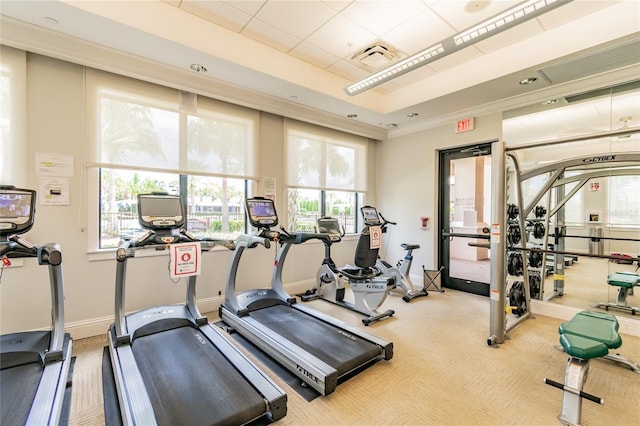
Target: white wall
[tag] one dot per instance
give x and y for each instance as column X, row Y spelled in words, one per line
column 408, row 185
column 55, row 124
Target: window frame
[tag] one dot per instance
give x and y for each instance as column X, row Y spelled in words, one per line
column 101, row 85
column 325, row 139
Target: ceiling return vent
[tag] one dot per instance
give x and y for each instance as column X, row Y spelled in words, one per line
column 375, row 56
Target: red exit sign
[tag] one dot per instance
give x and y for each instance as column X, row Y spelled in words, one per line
column 464, row 125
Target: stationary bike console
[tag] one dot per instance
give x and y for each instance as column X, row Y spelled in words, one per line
column 261, row 212
column 331, row 227
column 370, row 216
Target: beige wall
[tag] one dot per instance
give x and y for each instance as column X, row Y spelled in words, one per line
column 407, row 185
column 55, row 124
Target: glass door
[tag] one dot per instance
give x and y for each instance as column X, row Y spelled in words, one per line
column 464, row 215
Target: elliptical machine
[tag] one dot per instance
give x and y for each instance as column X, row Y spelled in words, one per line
column 369, row 287
column 401, row 271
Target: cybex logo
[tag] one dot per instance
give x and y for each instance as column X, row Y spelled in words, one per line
column 599, row 159
column 376, row 286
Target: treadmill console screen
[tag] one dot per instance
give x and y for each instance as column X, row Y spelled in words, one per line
column 261, row 212
column 17, row 210
column 160, row 211
column 370, row 216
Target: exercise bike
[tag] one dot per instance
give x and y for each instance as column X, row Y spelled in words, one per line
column 369, row 287
column 401, row 271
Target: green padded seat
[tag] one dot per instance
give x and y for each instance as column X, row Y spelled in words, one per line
column 581, row 347
column 624, row 279
column 590, row 334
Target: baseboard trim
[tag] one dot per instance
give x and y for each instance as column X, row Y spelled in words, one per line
column 98, row 326
column 628, row 326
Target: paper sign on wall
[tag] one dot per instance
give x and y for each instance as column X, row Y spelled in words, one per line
column 185, row 259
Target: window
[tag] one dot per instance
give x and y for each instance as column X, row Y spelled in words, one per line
column 624, row 200
column 152, row 138
column 13, row 92
column 326, row 176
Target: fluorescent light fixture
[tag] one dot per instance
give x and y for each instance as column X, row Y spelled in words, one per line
column 510, row 18
column 399, row 68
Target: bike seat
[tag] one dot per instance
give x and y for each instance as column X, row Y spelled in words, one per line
column 410, row 246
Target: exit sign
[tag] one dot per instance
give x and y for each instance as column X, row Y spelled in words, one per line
column 464, row 125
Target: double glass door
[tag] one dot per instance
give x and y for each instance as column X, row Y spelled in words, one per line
column 465, row 215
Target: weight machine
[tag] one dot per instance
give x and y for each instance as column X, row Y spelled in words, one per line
column 593, row 166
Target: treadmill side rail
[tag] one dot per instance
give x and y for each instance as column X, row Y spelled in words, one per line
column 316, row 373
column 386, row 345
column 135, row 405
column 275, row 397
column 46, row 408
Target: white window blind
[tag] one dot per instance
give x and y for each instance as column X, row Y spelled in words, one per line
column 322, row 158
column 144, row 126
column 13, row 95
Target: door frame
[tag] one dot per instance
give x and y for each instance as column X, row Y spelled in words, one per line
column 444, row 234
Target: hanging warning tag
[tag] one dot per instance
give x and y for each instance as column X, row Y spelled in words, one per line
column 185, row 259
column 495, row 233
column 375, row 237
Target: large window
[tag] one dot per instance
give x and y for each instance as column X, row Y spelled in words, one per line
column 326, row 176
column 624, row 201
column 13, row 93
column 151, row 138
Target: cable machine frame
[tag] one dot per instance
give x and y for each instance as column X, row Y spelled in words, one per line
column 498, row 327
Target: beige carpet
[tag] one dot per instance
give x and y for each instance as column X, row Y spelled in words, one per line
column 442, row 373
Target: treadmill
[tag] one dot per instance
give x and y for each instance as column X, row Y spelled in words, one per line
column 319, row 349
column 34, row 364
column 170, row 365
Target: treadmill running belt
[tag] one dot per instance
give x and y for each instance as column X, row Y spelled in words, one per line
column 339, row 349
column 191, row 383
column 18, row 386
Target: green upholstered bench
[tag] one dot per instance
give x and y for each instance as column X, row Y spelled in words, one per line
column 587, row 335
column 625, row 281
column 590, row 334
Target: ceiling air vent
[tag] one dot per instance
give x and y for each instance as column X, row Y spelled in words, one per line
column 374, row 56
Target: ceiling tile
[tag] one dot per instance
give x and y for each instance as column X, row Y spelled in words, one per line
column 341, row 37
column 455, row 14
column 217, row 12
column 247, row 6
column 314, row 55
column 572, row 11
column 421, row 31
column 270, row 35
column 347, row 70
column 298, row 18
column 379, row 17
column 338, row 5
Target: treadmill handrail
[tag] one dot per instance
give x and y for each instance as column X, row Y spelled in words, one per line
column 153, row 240
column 47, row 254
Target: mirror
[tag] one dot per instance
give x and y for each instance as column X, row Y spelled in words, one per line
column 592, row 204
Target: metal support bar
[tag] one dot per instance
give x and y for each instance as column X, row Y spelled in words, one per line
column 497, row 240
column 574, row 391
